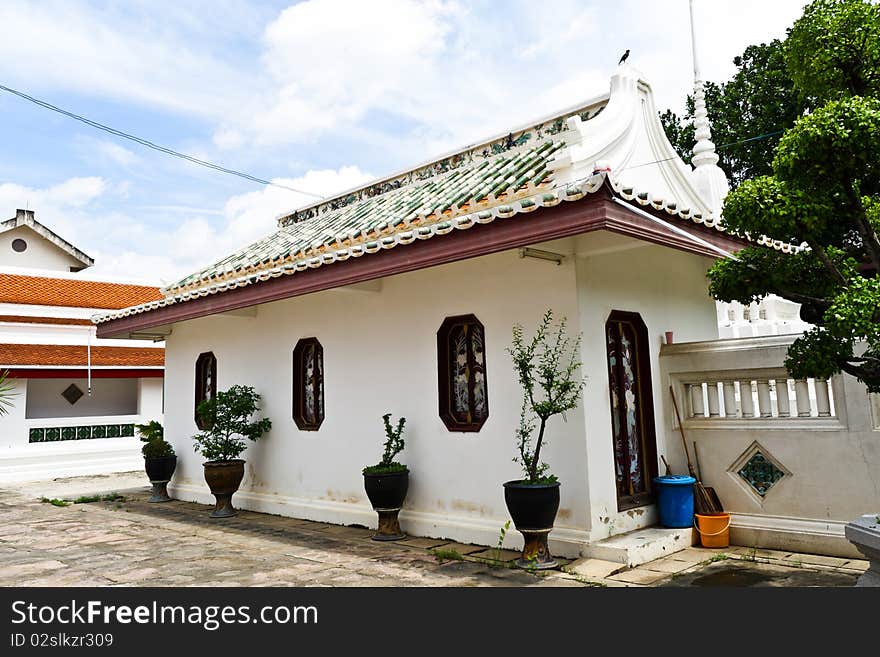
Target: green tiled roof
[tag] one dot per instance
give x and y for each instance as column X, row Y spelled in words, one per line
column 478, row 182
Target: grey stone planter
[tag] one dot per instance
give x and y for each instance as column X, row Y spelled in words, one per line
column 864, row 533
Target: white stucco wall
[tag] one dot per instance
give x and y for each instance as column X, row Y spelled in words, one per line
column 109, row 397
column 151, row 400
column 669, row 290
column 40, row 252
column 380, row 356
column 21, row 460
column 380, row 353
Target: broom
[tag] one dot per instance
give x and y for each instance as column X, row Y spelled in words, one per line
column 703, row 501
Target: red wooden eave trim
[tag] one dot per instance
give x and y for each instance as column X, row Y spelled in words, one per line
column 596, row 212
column 81, row 373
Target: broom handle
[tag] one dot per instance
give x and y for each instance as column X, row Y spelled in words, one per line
column 681, row 430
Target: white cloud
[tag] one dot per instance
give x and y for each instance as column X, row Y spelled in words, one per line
column 330, row 61
column 72, row 193
column 116, row 153
column 196, row 240
column 105, row 52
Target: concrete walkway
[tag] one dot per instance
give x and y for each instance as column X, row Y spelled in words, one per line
column 111, row 536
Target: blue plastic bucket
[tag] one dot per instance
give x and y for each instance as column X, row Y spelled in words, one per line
column 675, row 500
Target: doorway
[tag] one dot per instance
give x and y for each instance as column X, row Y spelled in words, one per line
column 632, row 408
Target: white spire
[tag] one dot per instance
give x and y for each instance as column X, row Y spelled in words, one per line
column 709, row 179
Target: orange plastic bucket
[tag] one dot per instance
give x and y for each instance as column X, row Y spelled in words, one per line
column 714, row 529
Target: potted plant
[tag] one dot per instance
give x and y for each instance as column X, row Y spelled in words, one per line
column 228, row 418
column 159, row 459
column 386, row 483
column 547, row 367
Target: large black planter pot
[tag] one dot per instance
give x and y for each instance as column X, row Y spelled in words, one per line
column 159, row 470
column 386, row 493
column 224, row 478
column 533, row 509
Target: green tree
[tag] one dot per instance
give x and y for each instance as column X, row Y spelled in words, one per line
column 823, row 193
column 547, row 367
column 230, row 413
column 760, row 99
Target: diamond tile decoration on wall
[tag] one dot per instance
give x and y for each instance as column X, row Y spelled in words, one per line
column 760, row 473
column 72, row 393
column 759, row 469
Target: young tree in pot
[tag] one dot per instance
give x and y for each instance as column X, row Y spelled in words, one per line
column 386, row 483
column 547, row 367
column 228, row 416
column 159, row 459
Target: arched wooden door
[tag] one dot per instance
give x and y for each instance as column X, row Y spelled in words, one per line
column 632, row 409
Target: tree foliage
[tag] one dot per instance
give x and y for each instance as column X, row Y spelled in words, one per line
column 833, row 50
column 822, row 193
column 6, row 393
column 760, row 99
column 230, row 412
column 547, row 367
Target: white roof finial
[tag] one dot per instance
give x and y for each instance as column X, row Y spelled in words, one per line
column 709, row 179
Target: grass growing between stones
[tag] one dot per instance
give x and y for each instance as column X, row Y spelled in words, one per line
column 721, row 556
column 84, row 499
column 447, row 555
column 55, row 501
column 110, row 497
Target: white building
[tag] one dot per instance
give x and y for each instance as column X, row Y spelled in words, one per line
column 368, row 302
column 77, row 397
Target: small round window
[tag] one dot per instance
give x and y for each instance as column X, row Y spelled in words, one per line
column 18, row 245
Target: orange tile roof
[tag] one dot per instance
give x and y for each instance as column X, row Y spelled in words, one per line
column 67, row 355
column 36, row 290
column 66, row 321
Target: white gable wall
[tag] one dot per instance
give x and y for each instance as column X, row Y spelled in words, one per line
column 40, row 252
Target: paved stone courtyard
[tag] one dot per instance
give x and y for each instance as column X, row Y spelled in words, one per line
column 108, row 535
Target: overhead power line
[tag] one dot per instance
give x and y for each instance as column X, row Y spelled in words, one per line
column 149, row 144
column 766, row 135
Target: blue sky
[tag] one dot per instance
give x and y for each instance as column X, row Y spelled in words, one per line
column 321, row 95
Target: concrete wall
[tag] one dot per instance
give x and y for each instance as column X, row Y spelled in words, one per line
column 832, row 463
column 40, row 252
column 668, row 289
column 109, row 397
column 380, row 356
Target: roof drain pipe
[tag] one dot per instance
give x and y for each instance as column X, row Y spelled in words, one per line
column 674, row 229
column 89, row 361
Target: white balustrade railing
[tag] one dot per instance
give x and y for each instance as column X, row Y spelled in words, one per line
column 743, row 383
column 719, row 396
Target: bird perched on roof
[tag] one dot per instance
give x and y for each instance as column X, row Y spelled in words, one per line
column 623, row 59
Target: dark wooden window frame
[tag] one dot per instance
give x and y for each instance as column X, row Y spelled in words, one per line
column 647, row 431
column 206, row 363
column 445, row 375
column 299, row 385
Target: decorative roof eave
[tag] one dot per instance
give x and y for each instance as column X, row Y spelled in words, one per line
column 26, row 218
column 544, row 199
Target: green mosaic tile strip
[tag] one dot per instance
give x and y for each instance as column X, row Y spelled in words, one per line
column 84, row 432
column 760, row 473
